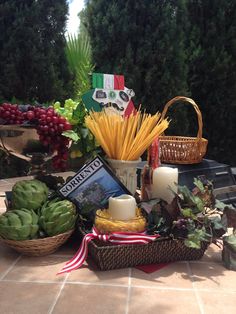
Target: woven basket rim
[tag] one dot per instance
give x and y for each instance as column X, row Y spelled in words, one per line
column 37, row 241
column 169, row 138
column 107, row 247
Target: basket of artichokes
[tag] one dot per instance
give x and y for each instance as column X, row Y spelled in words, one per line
column 40, row 227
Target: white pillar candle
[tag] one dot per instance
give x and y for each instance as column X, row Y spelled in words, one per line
column 164, row 178
column 122, row 207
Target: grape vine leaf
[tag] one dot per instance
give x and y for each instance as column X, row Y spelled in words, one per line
column 195, row 237
column 198, row 183
column 72, row 135
column 79, row 113
column 188, row 213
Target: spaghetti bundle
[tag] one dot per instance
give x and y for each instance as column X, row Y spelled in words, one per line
column 125, row 138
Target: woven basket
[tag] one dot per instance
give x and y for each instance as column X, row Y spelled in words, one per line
column 38, row 247
column 180, row 149
column 108, row 256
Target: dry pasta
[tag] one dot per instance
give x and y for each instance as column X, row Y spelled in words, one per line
column 105, row 224
column 125, row 138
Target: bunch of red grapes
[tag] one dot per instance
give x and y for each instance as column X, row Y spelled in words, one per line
column 11, row 114
column 49, row 126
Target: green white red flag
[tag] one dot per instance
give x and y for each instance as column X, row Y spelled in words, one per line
column 108, row 81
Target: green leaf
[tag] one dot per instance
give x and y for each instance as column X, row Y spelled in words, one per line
column 72, row 135
column 190, row 200
column 188, row 213
column 231, row 242
column 198, row 183
column 193, row 244
column 222, row 206
column 84, row 132
column 195, row 237
column 216, row 222
column 79, row 113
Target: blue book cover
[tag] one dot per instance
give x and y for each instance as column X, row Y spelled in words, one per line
column 91, row 187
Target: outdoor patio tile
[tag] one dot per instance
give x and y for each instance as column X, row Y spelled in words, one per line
column 16, row 179
column 75, row 299
column 3, row 181
column 212, row 276
column 151, row 301
column 5, row 187
column 41, row 269
column 88, row 273
column 212, row 254
column 69, row 248
column 2, row 201
column 24, row 298
column 173, row 275
column 7, row 257
column 217, row 302
column 2, row 210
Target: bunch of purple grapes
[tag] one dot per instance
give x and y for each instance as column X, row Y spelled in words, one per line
column 49, row 125
column 181, row 224
column 11, row 114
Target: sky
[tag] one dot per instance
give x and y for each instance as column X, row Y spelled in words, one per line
column 75, row 6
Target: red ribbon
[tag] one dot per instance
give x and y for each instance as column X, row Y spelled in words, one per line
column 116, row 238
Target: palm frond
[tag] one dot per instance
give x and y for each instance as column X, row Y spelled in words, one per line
column 78, row 53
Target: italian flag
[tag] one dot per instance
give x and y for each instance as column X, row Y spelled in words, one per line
column 108, row 81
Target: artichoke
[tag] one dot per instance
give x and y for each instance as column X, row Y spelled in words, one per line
column 19, row 224
column 29, row 194
column 57, row 216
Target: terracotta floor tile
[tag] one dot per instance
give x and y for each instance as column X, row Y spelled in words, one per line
column 218, row 302
column 2, row 210
column 68, row 249
column 213, row 276
column 5, row 187
column 37, row 269
column 173, row 275
column 81, row 299
column 16, row 179
column 151, row 301
column 90, row 274
column 27, row 298
column 2, row 202
column 212, row 254
column 7, row 257
column 3, row 181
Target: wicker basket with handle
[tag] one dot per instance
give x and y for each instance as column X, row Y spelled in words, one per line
column 180, row 149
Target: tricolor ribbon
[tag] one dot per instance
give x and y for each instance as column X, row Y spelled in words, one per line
column 116, row 238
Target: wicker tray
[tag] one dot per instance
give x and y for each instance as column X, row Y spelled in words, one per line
column 180, row 149
column 38, row 247
column 108, row 256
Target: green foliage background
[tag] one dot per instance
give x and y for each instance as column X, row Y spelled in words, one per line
column 173, row 47
column 32, row 58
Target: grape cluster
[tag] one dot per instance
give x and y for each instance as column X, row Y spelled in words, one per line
column 181, row 223
column 67, row 110
column 11, row 114
column 49, row 125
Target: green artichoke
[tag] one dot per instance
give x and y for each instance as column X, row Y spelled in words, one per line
column 29, row 194
column 19, row 224
column 57, row 217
